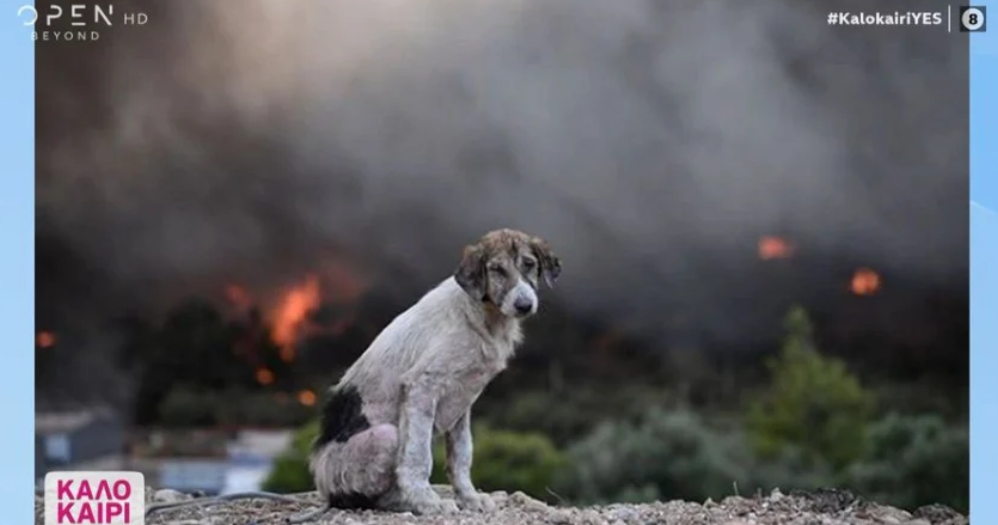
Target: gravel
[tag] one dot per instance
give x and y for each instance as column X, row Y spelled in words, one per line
column 822, row 507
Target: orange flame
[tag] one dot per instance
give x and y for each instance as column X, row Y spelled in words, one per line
column 772, row 247
column 291, row 313
column 264, row 376
column 45, row 339
column 306, row 397
column 865, row 282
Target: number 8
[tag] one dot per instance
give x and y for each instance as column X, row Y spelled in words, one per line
column 972, row 19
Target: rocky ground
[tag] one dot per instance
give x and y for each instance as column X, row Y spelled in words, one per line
column 825, row 507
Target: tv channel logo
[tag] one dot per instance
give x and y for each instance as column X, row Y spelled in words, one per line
column 95, row 497
column 973, row 19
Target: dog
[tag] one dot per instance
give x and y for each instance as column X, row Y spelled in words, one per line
column 421, row 375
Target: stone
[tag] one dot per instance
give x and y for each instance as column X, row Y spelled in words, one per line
column 169, row 496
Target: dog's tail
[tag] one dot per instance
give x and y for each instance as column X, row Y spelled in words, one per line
column 322, row 466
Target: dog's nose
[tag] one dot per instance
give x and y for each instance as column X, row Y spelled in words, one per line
column 523, row 305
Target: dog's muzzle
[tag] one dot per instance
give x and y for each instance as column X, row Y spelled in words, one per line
column 521, row 301
column 523, row 306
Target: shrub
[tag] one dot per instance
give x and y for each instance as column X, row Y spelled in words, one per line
column 911, row 461
column 541, row 412
column 814, row 403
column 509, row 461
column 667, row 454
column 678, row 455
column 290, row 471
column 503, row 461
column 565, row 417
column 791, row 469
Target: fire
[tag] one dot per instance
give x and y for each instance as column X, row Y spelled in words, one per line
column 45, row 339
column 772, row 247
column 291, row 312
column 264, row 376
column 865, row 282
column 306, row 397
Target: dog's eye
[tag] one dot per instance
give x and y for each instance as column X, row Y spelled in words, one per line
column 529, row 264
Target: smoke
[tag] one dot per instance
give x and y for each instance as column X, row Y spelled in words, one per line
column 650, row 142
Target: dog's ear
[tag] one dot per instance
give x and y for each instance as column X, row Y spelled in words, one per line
column 550, row 263
column 470, row 274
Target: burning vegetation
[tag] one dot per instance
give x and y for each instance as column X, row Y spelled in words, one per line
column 264, row 376
column 290, row 315
column 45, row 339
column 772, row 247
column 281, row 344
column 306, row 397
column 864, row 281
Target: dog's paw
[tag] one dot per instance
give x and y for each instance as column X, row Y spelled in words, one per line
column 427, row 502
column 426, row 507
column 476, row 502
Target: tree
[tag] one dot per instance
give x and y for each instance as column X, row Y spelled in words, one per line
column 814, row 403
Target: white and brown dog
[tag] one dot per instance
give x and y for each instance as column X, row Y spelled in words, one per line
column 422, row 374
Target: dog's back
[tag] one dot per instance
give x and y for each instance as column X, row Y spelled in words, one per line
column 377, row 373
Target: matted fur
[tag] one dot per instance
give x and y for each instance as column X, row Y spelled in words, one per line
column 422, row 374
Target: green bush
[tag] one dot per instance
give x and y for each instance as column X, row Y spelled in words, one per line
column 814, row 404
column 911, row 461
column 791, row 469
column 564, row 417
column 290, row 471
column 541, row 412
column 678, row 454
column 666, row 455
column 503, row 461
column 509, row 461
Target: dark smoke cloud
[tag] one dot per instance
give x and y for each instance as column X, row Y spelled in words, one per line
column 651, row 142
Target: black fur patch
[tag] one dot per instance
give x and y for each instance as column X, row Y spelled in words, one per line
column 341, row 417
column 351, row 502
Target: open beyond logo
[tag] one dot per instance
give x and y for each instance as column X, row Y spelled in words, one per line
column 95, row 498
column 75, row 22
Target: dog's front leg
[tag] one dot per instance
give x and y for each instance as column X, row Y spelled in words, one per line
column 415, row 460
column 459, row 458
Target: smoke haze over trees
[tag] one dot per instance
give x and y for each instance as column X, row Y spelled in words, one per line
column 652, row 143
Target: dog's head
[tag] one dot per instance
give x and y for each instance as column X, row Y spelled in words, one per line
column 505, row 268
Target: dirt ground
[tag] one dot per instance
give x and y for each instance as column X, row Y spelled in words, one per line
column 824, row 507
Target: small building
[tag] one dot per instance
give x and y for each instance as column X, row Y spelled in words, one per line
column 205, row 475
column 251, row 457
column 221, row 464
column 90, row 438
